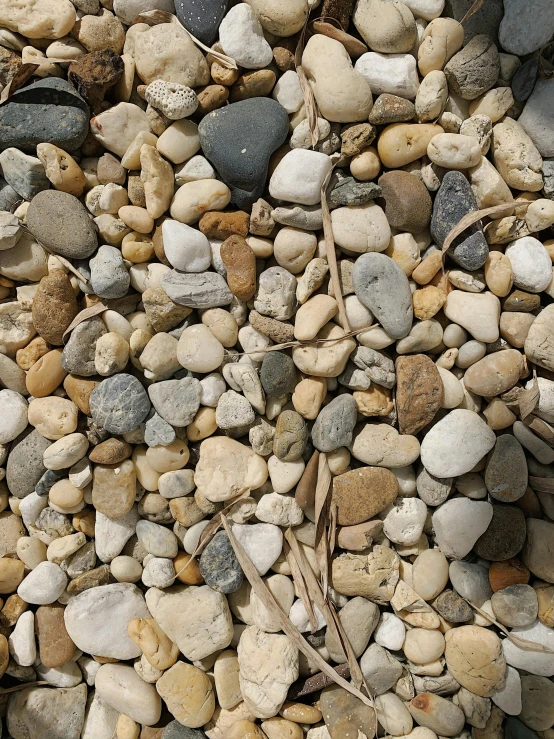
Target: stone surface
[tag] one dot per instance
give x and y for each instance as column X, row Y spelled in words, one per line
column 73, row 236
column 418, row 392
column 119, row 404
column 363, row 493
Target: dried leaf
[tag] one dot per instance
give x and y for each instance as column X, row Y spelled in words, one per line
column 84, row 315
column 477, row 5
column 25, row 72
column 300, row 585
column 541, row 428
column 291, row 344
column 333, row 516
column 519, row 641
column 542, row 484
column 523, row 400
column 471, row 218
column 322, row 503
column 263, row 593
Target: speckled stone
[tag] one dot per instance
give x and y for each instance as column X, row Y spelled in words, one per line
column 176, row 400
column 418, row 392
column 389, row 108
column 197, row 290
column 349, row 191
column 452, row 607
column 407, row 201
column 505, row 535
column 78, row 353
column 453, row 201
column 506, row 474
column 277, row 374
column 363, row 493
column 335, row 423
column 119, row 404
column 176, row 730
column 25, row 468
column 202, row 19
column 219, row 566
column 291, row 436
column 62, row 223
column 54, row 306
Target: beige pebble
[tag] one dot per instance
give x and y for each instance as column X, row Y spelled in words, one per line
column 498, row 415
column 222, row 325
column 199, row 350
column 442, row 38
column 402, row 143
column 146, row 475
column 308, row 396
column 499, row 275
column 454, row 151
column 61, row 169
column 126, row 728
column 195, row 198
column 313, row 315
column 494, row 103
column 366, row 165
column 136, row 218
column 174, row 456
column 111, row 354
column 65, row 495
column 294, row 248
column 179, row 141
column 422, row 646
column 203, row 425
column 53, row 417
column 114, row 488
column 31, row 551
column 428, row 301
column 515, row 326
column 404, row 250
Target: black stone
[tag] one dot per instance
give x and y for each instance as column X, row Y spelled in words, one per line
column 277, row 374
column 49, row 478
column 201, row 18
column 485, row 20
column 62, row 223
column 239, row 139
column 119, row 404
column 48, row 111
column 453, row 201
column 516, row 729
column 453, row 608
column 25, row 468
column 335, row 423
column 505, row 535
column 524, row 80
column 351, row 192
column 219, row 566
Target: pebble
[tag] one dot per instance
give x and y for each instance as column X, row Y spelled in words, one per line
column 394, row 74
column 459, row 523
column 119, row 404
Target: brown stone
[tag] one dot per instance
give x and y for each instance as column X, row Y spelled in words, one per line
column 93, row 74
column 84, row 521
column 253, row 84
column 54, row 306
column 545, row 598
column 111, row 451
column 135, row 190
column 34, row 350
column 79, row 390
column 418, row 392
column 161, row 311
column 11, row 529
column 305, row 490
column 4, row 654
column 407, row 201
column 521, row 301
column 114, row 488
column 283, row 54
column 340, row 10
column 240, row 261
column 345, row 715
column 157, row 240
column 279, row 331
column 353, row 45
column 46, row 374
column 192, row 574
column 261, row 222
column 530, row 504
column 91, row 579
column 509, row 572
column 55, row 645
column 355, row 138
column 360, row 537
column 216, row 225
column 391, row 109
column 186, row 511
column 12, row 610
column 210, row 98
column 363, row 493
column 9, row 65
column 12, row 572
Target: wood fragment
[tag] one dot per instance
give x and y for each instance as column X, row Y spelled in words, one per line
column 541, row 428
column 322, row 503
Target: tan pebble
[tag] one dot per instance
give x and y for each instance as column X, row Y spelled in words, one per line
column 494, row 103
column 422, row 646
column 514, row 327
column 84, row 521
column 210, row 98
column 36, row 349
column 338, row 461
column 442, row 38
column 428, row 268
column 375, row 401
column 428, row 301
column 294, row 248
column 359, row 537
column 31, row 551
column 222, row 325
column 190, row 576
column 11, row 574
column 194, row 198
column 137, row 251
column 146, row 475
column 157, row 177
column 174, row 456
column 198, row 350
column 131, row 158
column 402, row 143
column 245, row 730
column 327, row 359
column 65, row 495
column 136, row 218
column 64, row 547
column 188, row 693
column 111, row 354
column 79, row 390
column 55, row 645
column 280, row 728
column 498, row 415
column 53, row 417
column 126, row 728
column 61, row 169
column 203, row 425
column 475, row 659
column 46, row 374
column 366, row 165
column 156, row 646
column 114, row 488
column 498, row 274
column 308, row 396
column 313, row 315
column 301, row 713
column 403, row 249
column 179, row 141
column 495, row 373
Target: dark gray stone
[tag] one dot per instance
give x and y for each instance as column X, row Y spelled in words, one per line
column 176, row 400
column 239, row 139
column 334, row 424
column 175, row 730
column 202, row 19
column 78, row 353
column 25, row 174
column 516, row 605
column 516, row 729
column 277, row 374
column 471, row 581
column 505, row 535
column 485, row 20
column 524, row 80
column 25, row 468
column 109, row 277
column 47, row 480
column 351, row 192
column 119, row 404
column 474, row 69
column 219, row 566
column 453, row 201
column 197, row 290
column 382, row 286
column 453, row 608
column 48, row 111
column 62, row 223
column 506, row 474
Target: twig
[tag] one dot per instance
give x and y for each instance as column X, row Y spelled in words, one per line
column 307, row 92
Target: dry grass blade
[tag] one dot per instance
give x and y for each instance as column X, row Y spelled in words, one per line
column 503, row 209
column 300, row 584
column 292, row 344
column 263, row 593
column 307, row 92
column 330, row 249
column 333, row 515
column 6, row 691
column 541, row 428
column 84, row 315
column 25, row 72
column 322, row 504
column 525, row 644
column 542, row 484
column 477, row 5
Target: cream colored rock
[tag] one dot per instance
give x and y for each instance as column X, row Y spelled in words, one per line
column 157, row 648
column 117, row 127
column 226, row 468
column 268, row 665
column 324, row 360
column 454, row 151
column 294, row 248
column 53, row 417
column 361, row 228
column 404, row 250
column 430, row 573
column 64, row 547
column 516, row 157
column 381, row 445
column 111, row 354
column 540, row 215
column 488, row 185
column 195, row 198
column 342, row 94
column 431, row 96
column 474, row 657
column 308, row 396
column 27, row 260
column 282, row 589
column 478, row 313
column 188, row 693
column 452, row 389
column 157, row 178
column 179, row 141
column 495, row 373
column 373, row 576
column 131, row 158
column 283, row 19
column 442, row 38
column 313, row 315
column 120, row 687
column 65, row 452
column 494, row 103
column 49, row 19
column 539, row 345
column 402, row 143
column 167, row 52
column 422, row 646
column 198, row 350
column 61, row 169
column 226, row 678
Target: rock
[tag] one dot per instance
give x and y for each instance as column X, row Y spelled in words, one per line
column 506, row 473
column 227, row 468
column 462, row 647
column 392, row 75
column 299, row 175
column 363, row 493
column 112, row 535
column 24, row 173
column 224, row 135
column 240, row 263
column 361, row 228
column 380, row 669
column 471, row 581
column 25, row 464
column 437, row 714
column 537, row 554
column 418, row 393
column 458, row 524
column 120, row 687
column 167, row 52
column 515, row 605
column 537, row 343
column 511, row 146
column 197, row 620
column 475, row 69
column 188, row 694
column 93, row 74
column 381, row 285
column 291, row 436
column 386, row 28
column 64, row 717
column 528, row 258
column 276, row 294
column 454, row 200
column 537, row 663
column 382, row 446
column 55, row 645
column 453, row 608
column 14, row 420
column 349, row 191
column 219, row 566
column 119, row 404
column 391, row 109
column 408, row 203
column 335, row 423
column 201, row 20
column 241, row 37
column 494, row 374
column 346, row 714
column 43, row 585
column 534, row 119
column 109, row 277
column 177, row 401
column 16, row 329
column 264, row 694
column 510, row 33
column 261, row 542
column 74, row 235
column 54, row 306
column 373, row 576
column 505, row 535
column 78, row 354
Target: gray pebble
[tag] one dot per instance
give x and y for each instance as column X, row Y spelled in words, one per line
column 25, row 468
column 505, row 535
column 219, row 566
column 119, row 404
column 12, row 377
column 233, row 411
column 307, row 217
column 53, row 523
column 524, row 80
column 380, row 669
column 176, row 401
column 176, row 730
column 158, row 432
column 433, row 490
column 9, row 199
column 484, row 20
column 47, row 480
column 382, row 286
column 277, row 374
column 474, row 69
column 78, row 353
column 349, row 191
column 24, row 173
column 335, row 423
column 276, row 294
column 471, row 581
column 506, row 474
column 515, row 605
column 378, row 367
column 453, row 608
column 441, row 685
column 82, row 561
column 354, row 378
column 548, row 176
column 108, row 275
column 176, row 484
column 197, row 290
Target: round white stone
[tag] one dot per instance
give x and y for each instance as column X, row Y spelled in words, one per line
column 531, row 264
